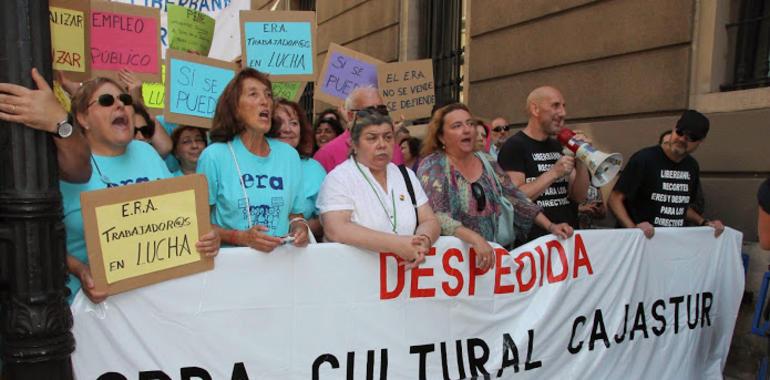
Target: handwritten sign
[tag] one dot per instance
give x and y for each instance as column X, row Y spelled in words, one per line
column 189, row 30
column 146, row 233
column 193, row 86
column 288, row 90
column 344, row 70
column 68, row 20
column 407, row 88
column 154, row 93
column 279, row 43
column 125, row 36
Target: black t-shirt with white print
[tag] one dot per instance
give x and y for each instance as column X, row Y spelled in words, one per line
column 658, row 190
column 522, row 153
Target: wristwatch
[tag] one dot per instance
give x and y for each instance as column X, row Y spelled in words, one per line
column 64, row 128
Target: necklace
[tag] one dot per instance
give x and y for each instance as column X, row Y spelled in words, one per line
column 102, row 177
column 393, row 220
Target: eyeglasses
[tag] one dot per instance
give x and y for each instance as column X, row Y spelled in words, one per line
column 147, row 131
column 478, row 194
column 505, row 128
column 687, row 135
column 106, row 100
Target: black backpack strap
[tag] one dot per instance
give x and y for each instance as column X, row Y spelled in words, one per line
column 410, row 189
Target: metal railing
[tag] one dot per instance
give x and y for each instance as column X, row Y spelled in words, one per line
column 751, row 34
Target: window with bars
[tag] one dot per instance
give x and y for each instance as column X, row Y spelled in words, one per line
column 441, row 24
column 749, row 38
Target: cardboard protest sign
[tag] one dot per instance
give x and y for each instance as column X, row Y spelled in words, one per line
column 279, row 43
column 193, row 86
column 125, row 36
column 189, row 30
column 343, row 70
column 69, row 38
column 288, row 90
column 407, row 88
column 146, row 233
column 154, row 93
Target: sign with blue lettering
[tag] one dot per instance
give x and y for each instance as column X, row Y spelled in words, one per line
column 344, row 70
column 193, row 86
column 281, row 44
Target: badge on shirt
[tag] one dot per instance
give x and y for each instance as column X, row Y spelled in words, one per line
column 401, row 197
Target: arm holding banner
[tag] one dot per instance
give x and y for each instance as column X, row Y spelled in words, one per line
column 39, row 109
column 617, row 207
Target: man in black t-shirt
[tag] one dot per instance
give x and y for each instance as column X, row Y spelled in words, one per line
column 660, row 182
column 533, row 159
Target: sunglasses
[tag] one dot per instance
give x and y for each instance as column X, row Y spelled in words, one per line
column 478, row 194
column 505, row 128
column 106, row 100
column 687, row 135
column 147, row 131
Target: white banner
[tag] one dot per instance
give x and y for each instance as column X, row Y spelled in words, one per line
column 603, row 304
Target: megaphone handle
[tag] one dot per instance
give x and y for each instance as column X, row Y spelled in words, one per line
column 567, row 152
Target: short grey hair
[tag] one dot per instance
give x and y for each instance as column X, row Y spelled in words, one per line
column 351, row 100
column 362, row 121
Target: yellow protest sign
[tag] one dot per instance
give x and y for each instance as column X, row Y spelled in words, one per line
column 62, row 96
column 68, row 39
column 154, row 93
column 145, row 233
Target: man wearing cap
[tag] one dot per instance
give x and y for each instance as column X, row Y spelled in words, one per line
column 659, row 183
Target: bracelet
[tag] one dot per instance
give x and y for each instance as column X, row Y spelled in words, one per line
column 301, row 220
column 430, row 242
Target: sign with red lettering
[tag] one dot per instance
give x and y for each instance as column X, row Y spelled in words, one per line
column 604, row 304
column 69, row 38
column 125, row 36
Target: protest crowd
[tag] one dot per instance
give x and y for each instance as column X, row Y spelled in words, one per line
column 354, row 174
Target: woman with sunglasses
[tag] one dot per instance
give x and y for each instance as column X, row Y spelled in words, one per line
column 255, row 185
column 189, row 143
column 104, row 113
column 145, row 130
column 465, row 195
column 366, row 200
column 292, row 127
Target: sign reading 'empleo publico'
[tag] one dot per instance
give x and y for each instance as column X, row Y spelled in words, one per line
column 145, row 233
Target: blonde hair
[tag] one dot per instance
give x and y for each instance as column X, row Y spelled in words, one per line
column 432, row 143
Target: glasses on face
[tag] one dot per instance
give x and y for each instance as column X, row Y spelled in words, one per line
column 380, row 109
column 147, row 131
column 687, row 135
column 478, row 194
column 106, row 100
column 499, row 129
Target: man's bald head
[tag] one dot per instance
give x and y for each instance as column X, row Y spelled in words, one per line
column 540, row 94
column 546, row 110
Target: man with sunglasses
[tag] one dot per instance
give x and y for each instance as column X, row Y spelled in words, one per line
column 498, row 135
column 337, row 151
column 660, row 182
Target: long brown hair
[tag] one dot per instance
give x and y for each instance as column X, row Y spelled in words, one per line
column 431, row 143
column 227, row 124
column 306, row 134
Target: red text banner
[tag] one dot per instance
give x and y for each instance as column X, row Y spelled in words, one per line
column 602, row 304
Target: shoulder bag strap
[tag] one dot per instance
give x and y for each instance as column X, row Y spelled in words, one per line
column 410, row 189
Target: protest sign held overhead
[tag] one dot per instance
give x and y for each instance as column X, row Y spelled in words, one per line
column 407, row 88
column 288, row 90
column 344, row 70
column 193, row 86
column 125, row 36
column 154, row 93
column 69, row 37
column 279, row 43
column 189, row 30
column 146, row 233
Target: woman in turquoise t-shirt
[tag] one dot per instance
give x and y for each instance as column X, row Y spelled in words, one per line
column 255, row 185
column 292, row 127
column 106, row 116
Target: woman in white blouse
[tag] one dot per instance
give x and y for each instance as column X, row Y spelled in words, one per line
column 365, row 201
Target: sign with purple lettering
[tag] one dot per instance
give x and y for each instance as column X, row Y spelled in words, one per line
column 125, row 36
column 344, row 70
column 193, row 85
column 281, row 44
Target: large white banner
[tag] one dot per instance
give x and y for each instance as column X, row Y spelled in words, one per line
column 605, row 304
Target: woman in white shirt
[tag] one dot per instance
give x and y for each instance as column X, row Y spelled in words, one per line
column 365, row 201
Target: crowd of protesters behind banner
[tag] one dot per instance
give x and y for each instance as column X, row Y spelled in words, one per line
column 354, row 175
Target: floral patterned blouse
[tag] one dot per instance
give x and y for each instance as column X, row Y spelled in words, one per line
column 452, row 200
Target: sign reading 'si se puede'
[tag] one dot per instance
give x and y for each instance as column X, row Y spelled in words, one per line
column 145, row 233
column 281, row 44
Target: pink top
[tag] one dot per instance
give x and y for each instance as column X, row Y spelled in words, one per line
column 337, row 151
